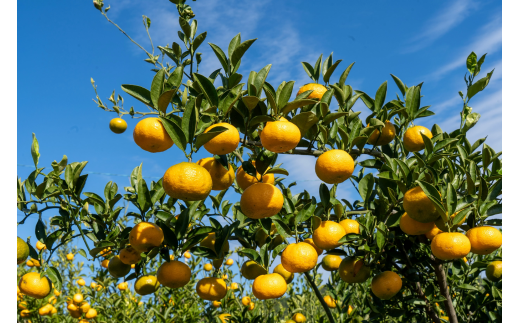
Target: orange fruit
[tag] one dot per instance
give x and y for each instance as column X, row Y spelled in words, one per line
column 77, row 298
column 40, row 245
column 104, row 263
column 327, row 235
column 81, row 282
column 413, row 140
column 280, row 136
column 187, row 181
column 223, row 143
column 216, row 303
column 229, row 262
column 299, row 257
column 117, row 125
column 418, row 206
column 494, row 270
column 251, row 306
column 433, row 232
column 250, row 270
column 146, row 285
column 93, row 285
column 187, row 255
column 129, row 255
column 91, row 313
column 484, row 240
column 70, row 256
column 449, row 246
column 280, row 270
column 350, row 309
column 350, row 226
column 331, row 302
column 334, row 166
column 244, row 180
column 331, row 262
column 352, row 270
column 261, row 201
column 122, row 286
column 150, row 135
column 269, row 286
column 246, row 300
column 386, row 284
column 22, row 250
column 211, row 288
column 145, row 236
column 31, row 284
column 414, row 228
column 209, row 242
column 378, row 139
column 224, row 317
column 299, row 318
column 84, row 307
column 174, row 274
column 117, row 268
column 220, row 177
column 311, row 242
column 318, row 90
column 208, row 267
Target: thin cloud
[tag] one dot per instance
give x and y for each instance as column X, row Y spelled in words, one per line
column 440, row 24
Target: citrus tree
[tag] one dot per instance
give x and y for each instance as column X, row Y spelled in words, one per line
column 413, row 247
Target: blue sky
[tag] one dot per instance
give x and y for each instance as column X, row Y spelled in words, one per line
column 61, row 47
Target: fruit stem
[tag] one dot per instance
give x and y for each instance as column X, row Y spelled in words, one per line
column 320, row 298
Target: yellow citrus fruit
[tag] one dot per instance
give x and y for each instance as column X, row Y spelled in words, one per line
column 150, row 135
column 484, row 240
column 84, row 307
column 311, row 242
column 56, row 293
column 25, row 313
column 433, row 232
column 317, row 90
column 117, row 268
column 104, row 263
column 386, row 284
column 229, row 262
column 378, row 139
column 280, row 136
column 223, row 143
column 211, row 288
column 494, row 270
column 174, row 274
column 72, row 307
column 81, row 282
column 413, row 140
column 250, row 270
column 187, row 255
column 445, row 317
column 93, row 285
column 418, row 206
column 187, row 182
column 208, row 267
column 129, row 255
column 280, row 270
column 331, row 262
column 145, row 236
column 269, row 286
column 70, row 256
column 261, row 201
column 350, row 309
column 22, row 250
column 224, row 317
column 31, row 284
column 331, row 302
column 118, row 125
column 414, row 228
column 327, row 235
column 299, row 257
column 220, row 177
column 244, row 180
column 209, row 242
column 334, row 166
column 146, row 285
column 77, row 298
column 40, row 245
column 105, row 252
column 75, row 314
column 350, row 226
column 45, row 310
column 234, row 286
column 449, row 246
column 122, row 286
column 22, row 305
column 91, row 313
column 299, row 318
column 216, row 303
column 251, row 306
column 246, row 300
column 352, row 270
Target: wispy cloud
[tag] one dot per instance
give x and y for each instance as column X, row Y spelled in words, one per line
column 440, row 24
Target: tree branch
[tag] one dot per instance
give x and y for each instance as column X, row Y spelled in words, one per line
column 320, row 298
column 443, row 286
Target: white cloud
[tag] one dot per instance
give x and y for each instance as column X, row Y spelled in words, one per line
column 440, row 24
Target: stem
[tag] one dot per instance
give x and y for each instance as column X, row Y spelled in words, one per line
column 441, row 279
column 320, row 298
column 121, row 30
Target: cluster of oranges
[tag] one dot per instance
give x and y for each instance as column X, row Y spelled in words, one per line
column 77, row 307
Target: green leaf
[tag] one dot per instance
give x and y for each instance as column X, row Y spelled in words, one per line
column 189, row 121
column 165, row 99
column 233, row 44
column 467, row 286
column 271, row 97
column 330, row 70
column 479, row 85
column 175, row 132
column 304, row 121
column 185, row 26
column 296, row 104
column 496, row 190
column 479, row 64
column 428, row 145
column 309, row 70
column 413, row 100
column 471, row 121
column 434, row 196
column 259, row 119
column 345, row 74
column 198, row 40
column 240, row 50
column 260, row 79
column 138, row 92
column 40, row 231
column 175, row 79
column 333, row 116
column 35, row 150
column 324, row 195
column 203, row 138
column 366, row 186
column 471, row 62
column 54, row 275
column 157, row 87
column 285, row 94
column 277, row 170
column 380, row 96
column 250, row 102
column 451, row 199
column 221, row 57
column 143, row 196
column 317, row 68
column 208, row 89
column 400, row 84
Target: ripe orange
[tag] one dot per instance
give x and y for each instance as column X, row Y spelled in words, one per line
column 311, row 242
column 484, row 240
column 117, row 268
column 40, row 245
column 224, row 317
column 494, row 270
column 208, row 267
column 216, row 303
column 299, row 257
column 209, row 242
column 280, row 270
column 22, row 250
column 77, row 298
column 118, row 125
column 150, row 135
column 129, row 255
column 331, row 262
column 250, row 270
column 104, row 263
column 352, row 270
column 334, row 166
column 251, row 306
column 413, row 140
column 81, row 282
column 244, row 180
column 449, row 246
column 261, row 201
column 220, row 177
column 246, row 300
column 225, row 142
column 318, row 90
column 299, row 318
column 146, row 285
column 414, row 228
column 211, row 288
column 269, row 286
column 378, row 139
column 418, row 206
column 91, row 313
column 70, row 256
column 122, row 286
column 174, row 274
column 433, row 232
column 280, row 136
column 31, row 284
column 331, row 302
column 350, row 226
column 386, row 284
column 327, row 235
column 229, row 262
column 145, row 236
column 187, row 255
column 187, row 181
